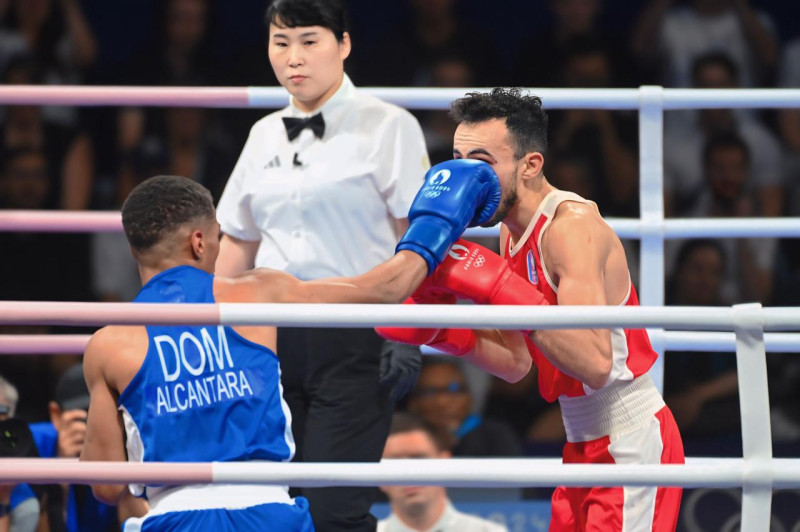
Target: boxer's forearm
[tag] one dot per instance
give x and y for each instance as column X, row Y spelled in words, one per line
column 394, row 280
column 584, row 354
column 389, row 282
column 501, row 353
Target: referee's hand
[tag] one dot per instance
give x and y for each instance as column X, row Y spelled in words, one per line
column 399, row 369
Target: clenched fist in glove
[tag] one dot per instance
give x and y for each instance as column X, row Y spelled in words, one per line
column 473, row 272
column 452, row 341
column 456, row 194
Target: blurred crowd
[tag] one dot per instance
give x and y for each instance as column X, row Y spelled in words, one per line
column 717, row 163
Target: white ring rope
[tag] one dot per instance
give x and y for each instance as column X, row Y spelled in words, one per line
column 722, row 342
column 362, row 315
column 408, row 97
column 457, row 472
column 111, row 222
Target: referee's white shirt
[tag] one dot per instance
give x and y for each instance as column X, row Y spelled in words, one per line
column 326, row 207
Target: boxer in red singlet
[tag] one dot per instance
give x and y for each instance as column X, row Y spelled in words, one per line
column 557, row 250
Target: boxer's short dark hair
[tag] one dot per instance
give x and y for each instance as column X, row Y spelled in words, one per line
column 525, row 119
column 160, row 205
column 329, row 14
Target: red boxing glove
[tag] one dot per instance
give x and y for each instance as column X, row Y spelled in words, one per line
column 471, row 271
column 452, row 341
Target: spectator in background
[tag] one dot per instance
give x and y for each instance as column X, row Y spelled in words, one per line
column 423, row 508
column 180, row 54
column 447, row 70
column 541, row 57
column 56, row 35
column 442, row 398
column 68, row 151
column 24, row 184
column 684, row 169
column 701, row 388
column 432, row 30
column 73, row 507
column 674, row 36
column 186, row 143
column 749, row 261
column 784, row 370
column 19, row 507
column 789, row 121
column 605, row 140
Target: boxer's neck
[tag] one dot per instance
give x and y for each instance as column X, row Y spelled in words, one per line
column 531, row 196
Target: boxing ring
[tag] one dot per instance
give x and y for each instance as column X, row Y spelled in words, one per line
column 748, row 330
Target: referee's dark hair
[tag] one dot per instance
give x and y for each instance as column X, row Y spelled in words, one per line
column 525, row 119
column 329, row 14
column 160, row 205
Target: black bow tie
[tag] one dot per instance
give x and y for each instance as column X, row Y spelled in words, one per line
column 295, row 125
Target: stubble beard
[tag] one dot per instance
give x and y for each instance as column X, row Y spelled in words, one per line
column 507, row 202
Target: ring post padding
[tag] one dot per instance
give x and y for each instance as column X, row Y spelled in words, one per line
column 651, row 201
column 751, row 368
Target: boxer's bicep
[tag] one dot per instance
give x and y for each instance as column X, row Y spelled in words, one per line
column 575, row 254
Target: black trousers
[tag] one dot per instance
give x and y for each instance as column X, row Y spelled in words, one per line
column 340, row 413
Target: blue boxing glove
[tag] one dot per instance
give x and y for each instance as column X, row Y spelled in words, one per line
column 457, row 194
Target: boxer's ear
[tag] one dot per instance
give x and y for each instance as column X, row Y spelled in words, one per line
column 198, row 244
column 532, row 165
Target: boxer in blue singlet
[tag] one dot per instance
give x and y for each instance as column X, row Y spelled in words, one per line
column 213, row 393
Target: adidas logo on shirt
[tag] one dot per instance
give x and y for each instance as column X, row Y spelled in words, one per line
column 274, row 163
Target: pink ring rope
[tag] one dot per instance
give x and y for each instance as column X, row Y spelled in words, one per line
column 56, row 313
column 41, row 344
column 148, row 96
column 61, row 221
column 71, row 471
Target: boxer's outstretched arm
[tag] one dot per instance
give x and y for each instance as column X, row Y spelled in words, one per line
column 389, row 282
column 104, row 429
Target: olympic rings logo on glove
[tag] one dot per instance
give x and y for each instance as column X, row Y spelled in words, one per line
column 480, row 260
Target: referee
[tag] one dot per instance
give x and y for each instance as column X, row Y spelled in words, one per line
column 322, row 189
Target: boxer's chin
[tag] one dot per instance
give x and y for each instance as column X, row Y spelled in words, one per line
column 506, row 204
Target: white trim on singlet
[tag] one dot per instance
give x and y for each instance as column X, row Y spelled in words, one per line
column 551, row 203
column 514, row 249
column 547, row 208
column 134, row 445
